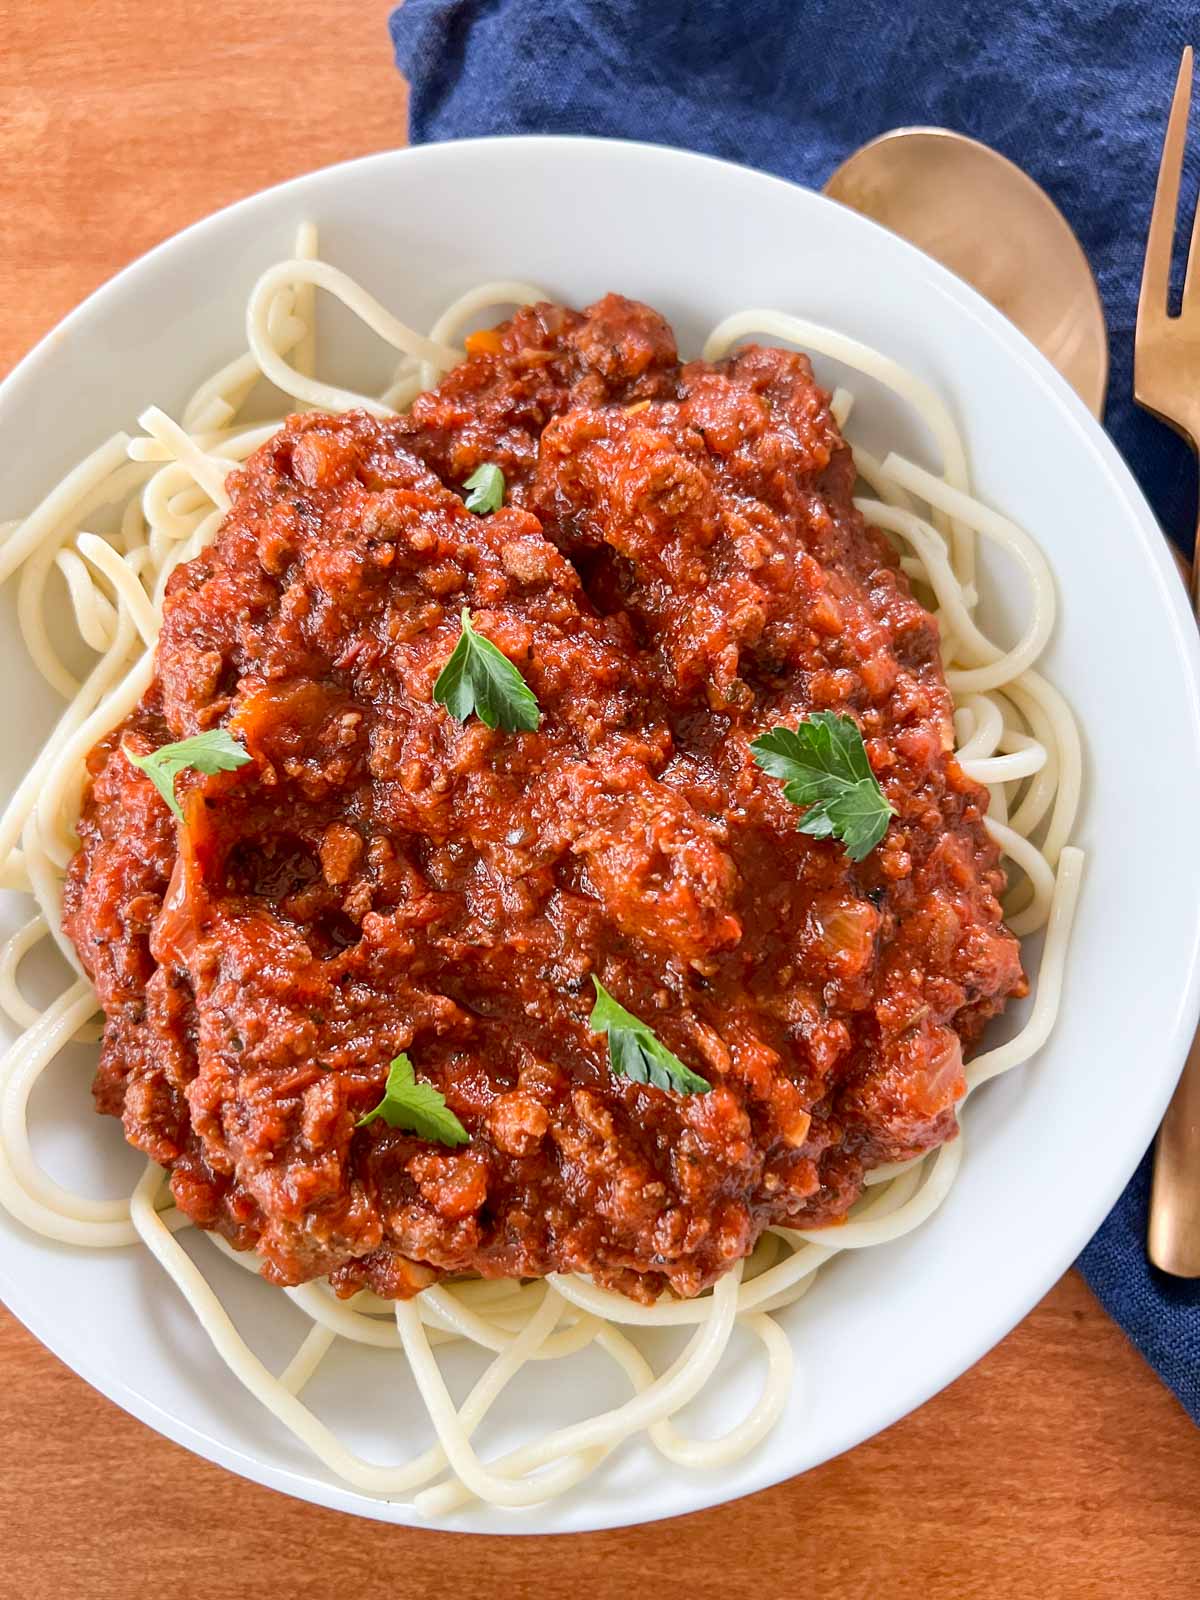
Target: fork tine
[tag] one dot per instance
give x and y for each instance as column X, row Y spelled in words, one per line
column 1160, row 241
column 1191, row 283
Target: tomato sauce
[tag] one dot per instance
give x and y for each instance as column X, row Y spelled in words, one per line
column 678, row 567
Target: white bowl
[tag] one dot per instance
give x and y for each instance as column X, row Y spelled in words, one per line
column 1048, row 1148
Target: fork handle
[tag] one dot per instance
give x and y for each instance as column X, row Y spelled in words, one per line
column 1173, row 1239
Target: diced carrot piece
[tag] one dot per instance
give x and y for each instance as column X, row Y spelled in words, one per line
column 484, row 343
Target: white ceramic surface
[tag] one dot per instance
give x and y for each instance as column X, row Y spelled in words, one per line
column 1049, row 1148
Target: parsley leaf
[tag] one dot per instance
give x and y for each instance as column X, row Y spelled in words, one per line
column 634, row 1052
column 480, row 678
column 823, row 765
column 486, row 484
column 214, row 751
column 417, row 1107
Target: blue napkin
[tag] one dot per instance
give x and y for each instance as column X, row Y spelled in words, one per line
column 1075, row 91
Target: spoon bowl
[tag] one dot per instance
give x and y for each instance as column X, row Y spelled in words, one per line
column 989, row 222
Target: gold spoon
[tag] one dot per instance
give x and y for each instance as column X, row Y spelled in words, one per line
column 981, row 216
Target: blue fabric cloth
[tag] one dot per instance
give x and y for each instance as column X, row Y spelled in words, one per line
column 1074, row 91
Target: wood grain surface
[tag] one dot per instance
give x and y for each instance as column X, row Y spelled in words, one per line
column 1057, row 1468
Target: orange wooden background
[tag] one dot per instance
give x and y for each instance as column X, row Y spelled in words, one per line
column 1057, row 1468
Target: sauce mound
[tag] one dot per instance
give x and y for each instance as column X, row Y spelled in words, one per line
column 678, row 568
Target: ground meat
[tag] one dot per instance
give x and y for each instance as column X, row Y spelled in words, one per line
column 677, row 568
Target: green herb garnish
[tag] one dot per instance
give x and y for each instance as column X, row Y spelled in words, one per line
column 634, row 1052
column 214, row 751
column 486, row 484
column 480, row 678
column 823, row 766
column 416, row 1107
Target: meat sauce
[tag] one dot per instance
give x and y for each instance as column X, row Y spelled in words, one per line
column 678, row 567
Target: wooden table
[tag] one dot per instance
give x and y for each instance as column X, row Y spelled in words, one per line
column 1056, row 1468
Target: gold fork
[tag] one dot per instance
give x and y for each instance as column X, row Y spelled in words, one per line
column 1166, row 380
